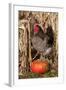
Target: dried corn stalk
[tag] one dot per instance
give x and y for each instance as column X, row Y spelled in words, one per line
column 24, row 45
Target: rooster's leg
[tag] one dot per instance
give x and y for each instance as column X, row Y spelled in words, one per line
column 42, row 57
column 35, row 55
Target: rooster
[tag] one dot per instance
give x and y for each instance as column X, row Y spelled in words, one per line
column 42, row 41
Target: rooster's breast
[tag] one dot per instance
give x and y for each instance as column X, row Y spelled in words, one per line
column 38, row 43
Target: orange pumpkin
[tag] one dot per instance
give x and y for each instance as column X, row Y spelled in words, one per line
column 39, row 66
